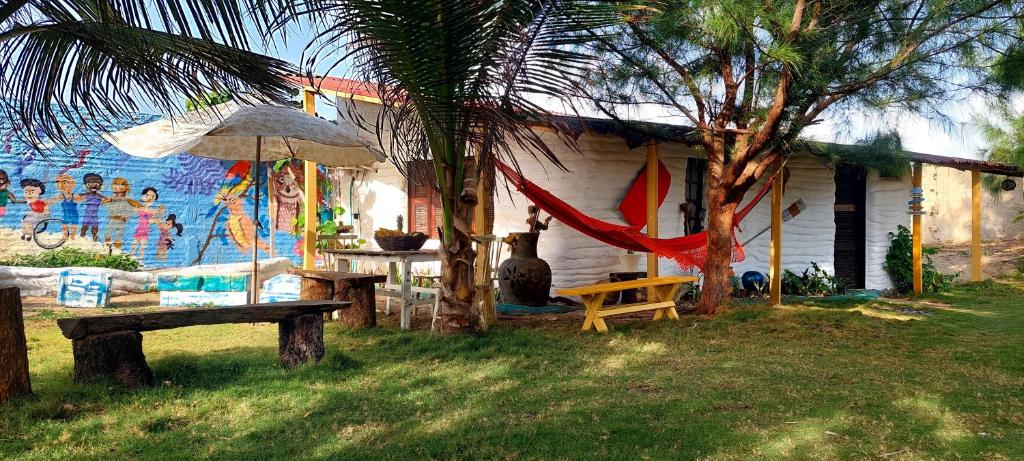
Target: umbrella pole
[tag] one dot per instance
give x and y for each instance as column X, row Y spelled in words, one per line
column 256, row 225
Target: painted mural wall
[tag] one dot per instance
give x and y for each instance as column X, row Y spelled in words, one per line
column 176, row 211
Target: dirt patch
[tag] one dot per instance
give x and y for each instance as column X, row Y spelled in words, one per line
column 998, row 257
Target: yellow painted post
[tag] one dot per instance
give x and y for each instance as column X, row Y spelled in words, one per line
column 652, row 204
column 976, row 226
column 775, row 246
column 309, row 204
column 916, row 233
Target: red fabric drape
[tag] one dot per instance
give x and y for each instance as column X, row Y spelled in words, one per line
column 634, row 205
column 687, row 251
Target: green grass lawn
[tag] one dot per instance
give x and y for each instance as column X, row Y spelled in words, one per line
column 798, row 382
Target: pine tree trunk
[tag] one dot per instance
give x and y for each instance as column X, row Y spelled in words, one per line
column 457, row 314
column 14, row 378
column 717, row 285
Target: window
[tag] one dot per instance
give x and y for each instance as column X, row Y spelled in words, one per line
column 424, row 199
column 425, row 213
column 694, row 206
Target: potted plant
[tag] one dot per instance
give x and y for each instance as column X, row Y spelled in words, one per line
column 630, row 261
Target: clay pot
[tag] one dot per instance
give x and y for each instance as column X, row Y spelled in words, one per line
column 524, row 279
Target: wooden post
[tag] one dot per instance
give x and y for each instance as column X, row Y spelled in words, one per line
column 116, row 356
column 14, row 379
column 301, row 339
column 652, row 205
column 775, row 246
column 976, row 226
column 916, row 234
column 309, row 203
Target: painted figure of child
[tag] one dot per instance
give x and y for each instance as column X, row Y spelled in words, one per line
column 164, row 241
column 146, row 218
column 33, row 189
column 119, row 208
column 91, row 200
column 6, row 196
column 69, row 209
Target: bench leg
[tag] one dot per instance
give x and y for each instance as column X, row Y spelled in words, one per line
column 117, row 356
column 593, row 304
column 665, row 293
column 301, row 339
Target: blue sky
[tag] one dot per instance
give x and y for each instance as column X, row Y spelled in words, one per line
column 959, row 139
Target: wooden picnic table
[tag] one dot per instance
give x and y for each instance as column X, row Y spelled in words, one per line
column 661, row 293
column 396, row 260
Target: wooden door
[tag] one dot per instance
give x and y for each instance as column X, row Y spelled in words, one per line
column 851, row 189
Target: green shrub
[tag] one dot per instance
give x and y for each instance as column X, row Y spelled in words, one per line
column 813, row 282
column 899, row 263
column 72, row 257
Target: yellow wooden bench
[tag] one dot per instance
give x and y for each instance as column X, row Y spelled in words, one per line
column 661, row 293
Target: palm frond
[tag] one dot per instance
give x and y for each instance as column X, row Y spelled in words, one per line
column 91, row 60
column 455, row 75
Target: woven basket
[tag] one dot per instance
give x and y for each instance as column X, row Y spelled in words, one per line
column 403, row 243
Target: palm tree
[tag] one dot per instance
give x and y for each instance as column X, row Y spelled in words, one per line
column 91, row 60
column 455, row 78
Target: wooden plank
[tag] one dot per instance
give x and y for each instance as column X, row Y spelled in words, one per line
column 625, row 285
column 635, row 308
column 310, row 190
column 652, row 204
column 382, row 252
column 775, row 245
column 336, row 276
column 80, row 327
column 916, row 236
column 976, row 226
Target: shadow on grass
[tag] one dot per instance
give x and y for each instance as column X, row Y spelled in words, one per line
column 753, row 381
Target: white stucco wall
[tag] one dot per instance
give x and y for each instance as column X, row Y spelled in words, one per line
column 598, row 182
column 599, row 179
column 886, row 208
column 810, row 237
column 948, row 202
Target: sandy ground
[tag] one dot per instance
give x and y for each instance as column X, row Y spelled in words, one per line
column 998, row 257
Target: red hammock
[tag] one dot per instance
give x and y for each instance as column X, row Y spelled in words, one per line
column 688, row 251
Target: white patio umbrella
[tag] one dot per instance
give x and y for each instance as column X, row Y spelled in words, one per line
column 260, row 132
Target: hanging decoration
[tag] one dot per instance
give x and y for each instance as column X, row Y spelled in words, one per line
column 916, row 204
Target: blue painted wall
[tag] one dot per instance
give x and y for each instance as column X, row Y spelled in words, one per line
column 211, row 200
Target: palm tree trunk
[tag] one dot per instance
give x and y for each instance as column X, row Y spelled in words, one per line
column 457, row 314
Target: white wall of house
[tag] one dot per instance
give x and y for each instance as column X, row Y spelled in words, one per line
column 599, row 178
column 948, row 202
column 810, row 237
column 886, row 210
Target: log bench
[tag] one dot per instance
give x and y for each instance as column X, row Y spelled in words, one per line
column 110, row 346
column 343, row 286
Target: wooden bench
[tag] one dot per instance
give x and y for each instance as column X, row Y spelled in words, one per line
column 661, row 293
column 111, row 345
column 344, row 286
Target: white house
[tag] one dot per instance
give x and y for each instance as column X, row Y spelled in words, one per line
column 850, row 210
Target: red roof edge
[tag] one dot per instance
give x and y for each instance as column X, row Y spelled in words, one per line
column 337, row 84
